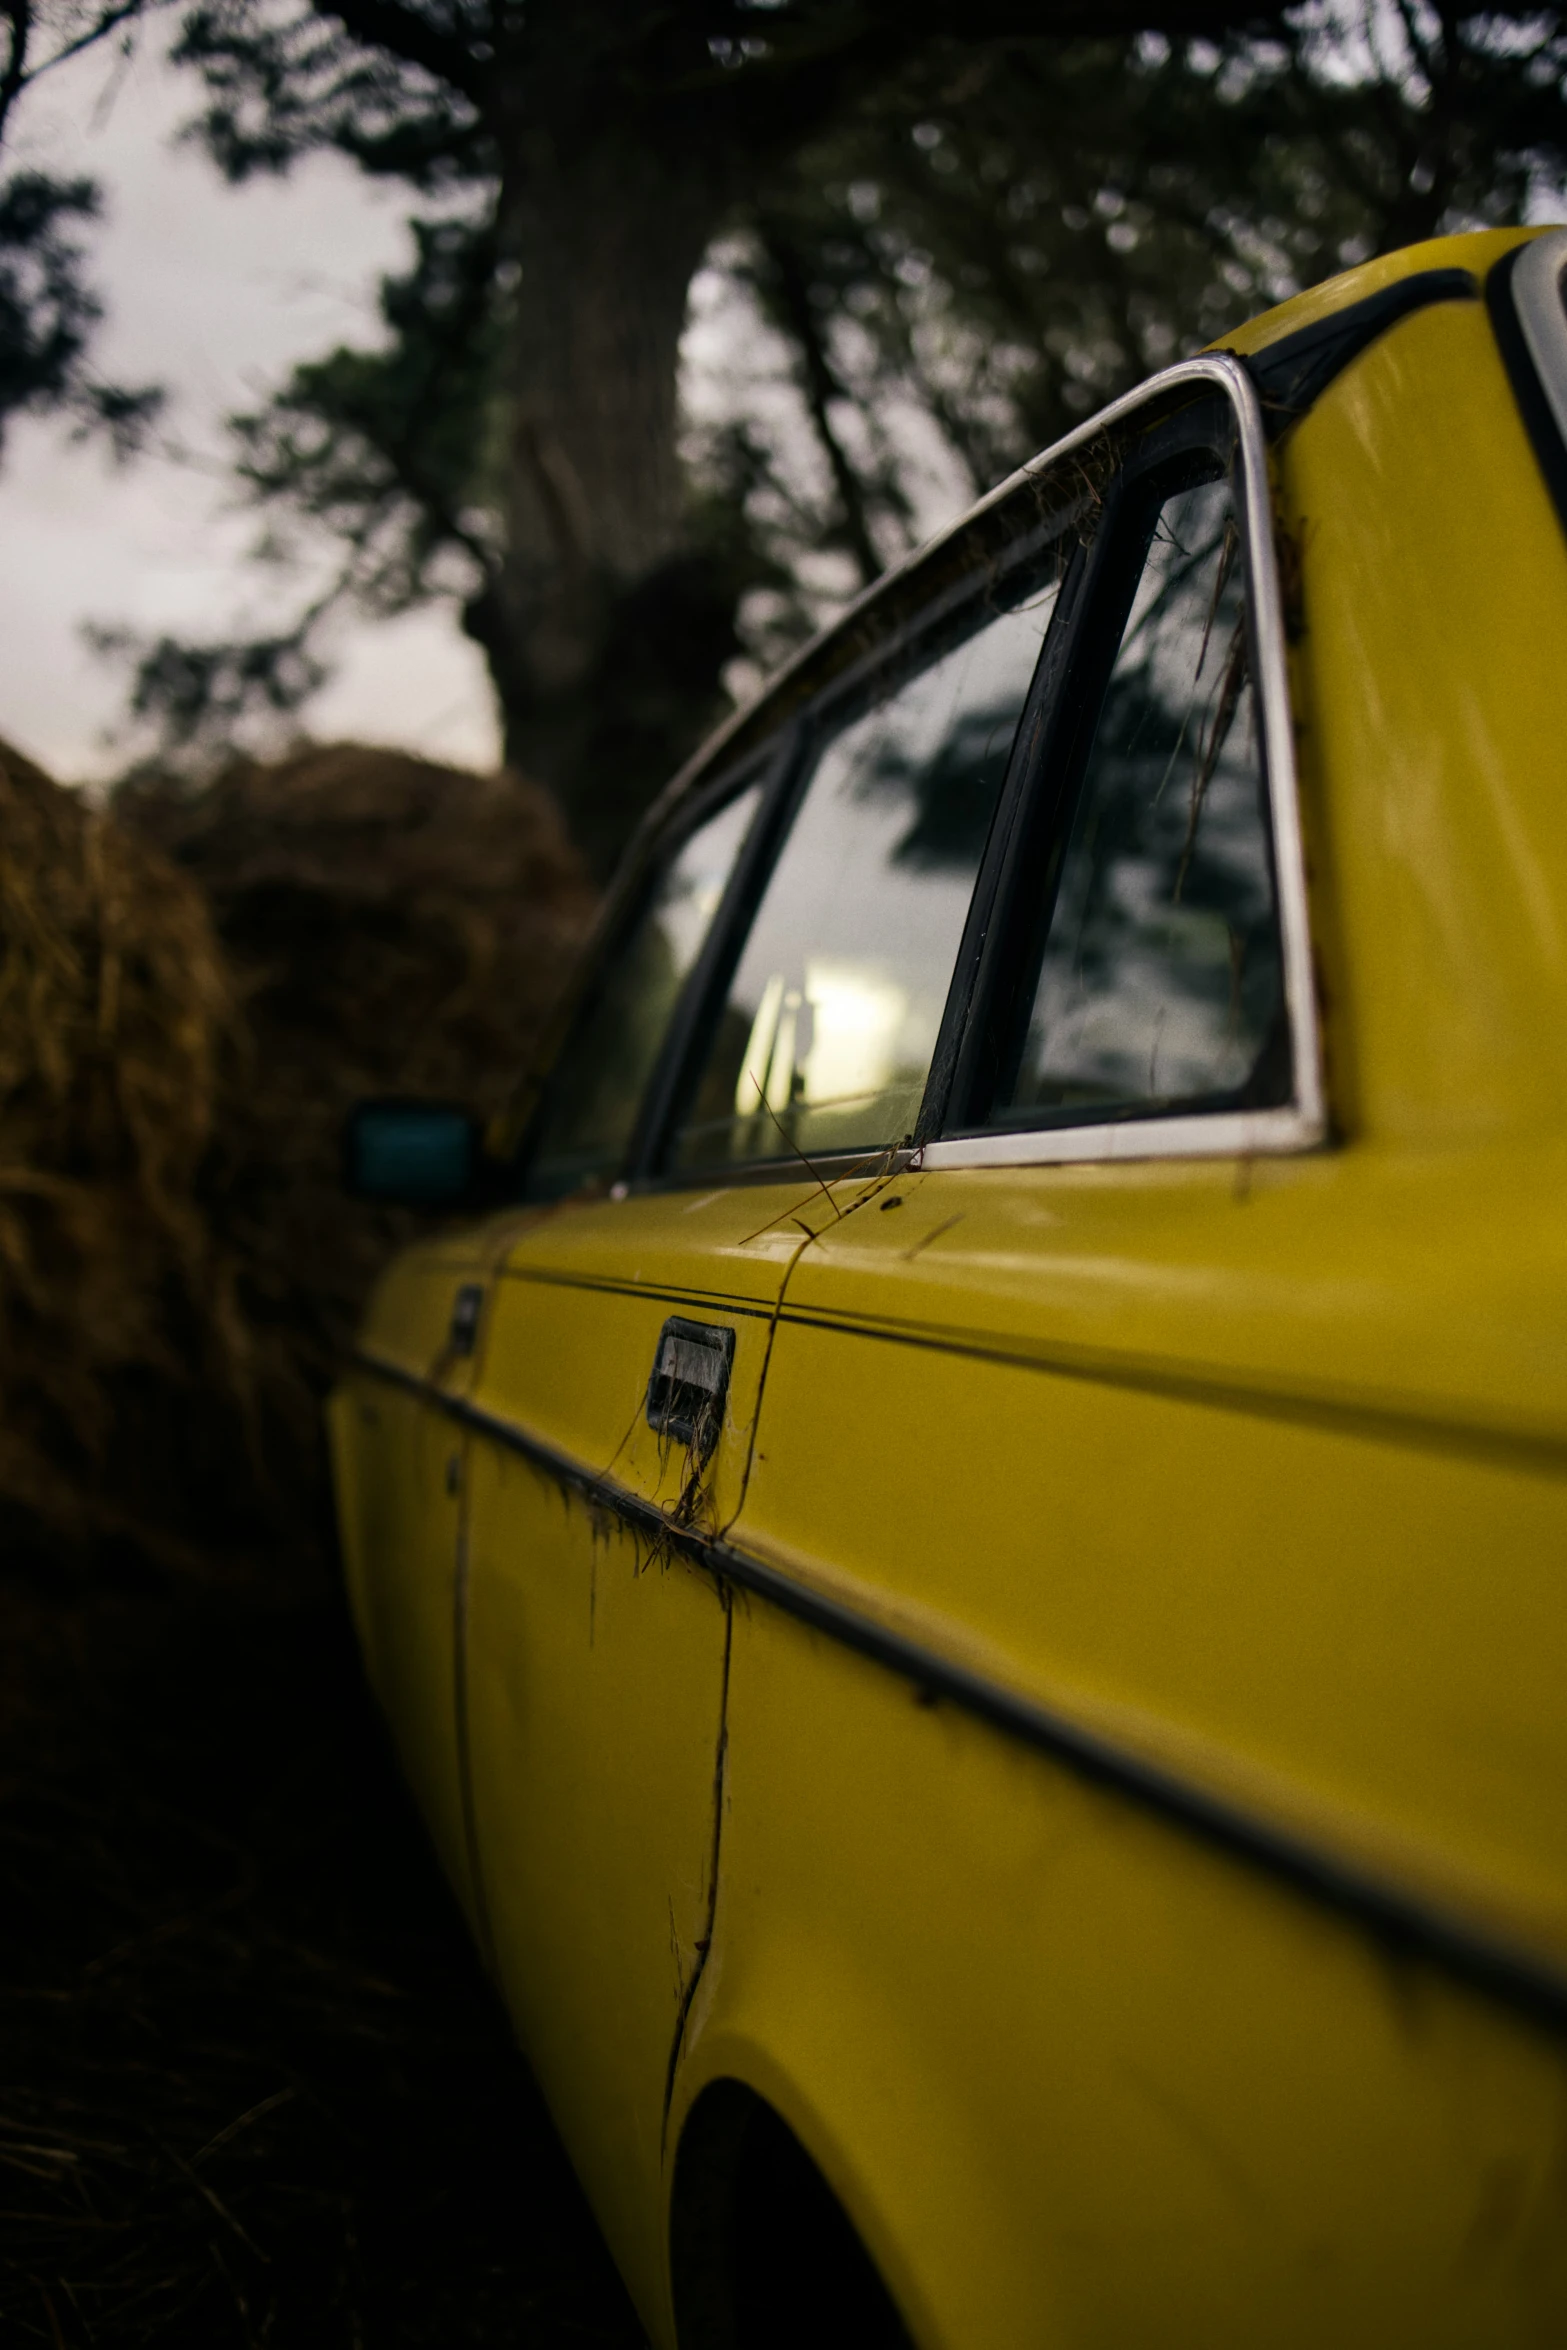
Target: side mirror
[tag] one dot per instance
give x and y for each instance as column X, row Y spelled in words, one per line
column 411, row 1154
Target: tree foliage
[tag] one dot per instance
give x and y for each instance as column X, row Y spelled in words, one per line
column 48, row 309
column 918, row 242
column 1005, row 240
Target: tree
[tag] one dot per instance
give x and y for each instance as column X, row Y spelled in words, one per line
column 956, row 243
column 517, row 441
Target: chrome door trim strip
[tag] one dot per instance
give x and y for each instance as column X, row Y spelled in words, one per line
column 1405, row 1923
column 718, row 1301
column 646, row 1516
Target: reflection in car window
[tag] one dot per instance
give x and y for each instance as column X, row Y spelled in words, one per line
column 602, row 1074
column 832, row 1014
column 1161, row 980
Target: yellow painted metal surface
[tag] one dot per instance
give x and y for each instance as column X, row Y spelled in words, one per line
column 1080, row 2081
column 1257, row 1472
column 597, row 1664
column 1220, row 1463
column 1427, row 684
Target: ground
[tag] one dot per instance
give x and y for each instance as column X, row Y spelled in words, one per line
column 254, row 2088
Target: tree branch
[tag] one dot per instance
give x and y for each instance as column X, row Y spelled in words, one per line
column 820, row 384
column 405, row 33
column 14, row 76
column 17, row 75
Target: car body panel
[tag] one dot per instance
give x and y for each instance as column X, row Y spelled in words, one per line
column 1088, row 1748
column 1432, row 756
column 1080, row 2079
column 1203, row 1460
column 1150, row 1480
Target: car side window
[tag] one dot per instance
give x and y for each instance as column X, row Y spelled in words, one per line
column 1159, row 977
column 826, row 1035
column 591, row 1104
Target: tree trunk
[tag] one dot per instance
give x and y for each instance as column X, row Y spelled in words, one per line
column 604, row 635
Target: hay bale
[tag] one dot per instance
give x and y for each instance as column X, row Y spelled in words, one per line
column 121, row 1321
column 194, row 989
column 392, row 926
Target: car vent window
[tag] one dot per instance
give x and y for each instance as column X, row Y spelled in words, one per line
column 1159, row 982
column 593, row 1098
column 830, row 1021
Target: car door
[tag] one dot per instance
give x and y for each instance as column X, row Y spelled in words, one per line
column 1132, row 1694
column 628, row 1335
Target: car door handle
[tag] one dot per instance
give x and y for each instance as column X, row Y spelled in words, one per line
column 690, row 1379
column 463, row 1331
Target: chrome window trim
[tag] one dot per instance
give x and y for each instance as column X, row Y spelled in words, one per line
column 1298, row 1125
column 1301, row 1124
column 1198, row 1134
column 1538, row 299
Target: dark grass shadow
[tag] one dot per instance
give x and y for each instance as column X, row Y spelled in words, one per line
column 254, row 2088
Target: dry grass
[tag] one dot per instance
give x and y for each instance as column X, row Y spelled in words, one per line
column 193, row 991
column 254, row 2089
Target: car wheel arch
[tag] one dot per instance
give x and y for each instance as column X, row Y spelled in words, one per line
column 761, row 2245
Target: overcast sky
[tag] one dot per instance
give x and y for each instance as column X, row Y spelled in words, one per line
column 213, row 293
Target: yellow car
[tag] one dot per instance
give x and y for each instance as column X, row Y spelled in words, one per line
column 970, row 1567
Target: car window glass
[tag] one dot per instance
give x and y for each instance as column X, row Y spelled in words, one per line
column 603, row 1071
column 831, row 1017
column 1161, row 976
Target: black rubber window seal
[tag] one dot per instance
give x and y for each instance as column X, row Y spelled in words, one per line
column 1292, row 374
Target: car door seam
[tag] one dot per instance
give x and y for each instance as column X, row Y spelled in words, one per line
column 726, row 1592
column 721, row 1758
column 761, row 1384
column 705, row 1939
